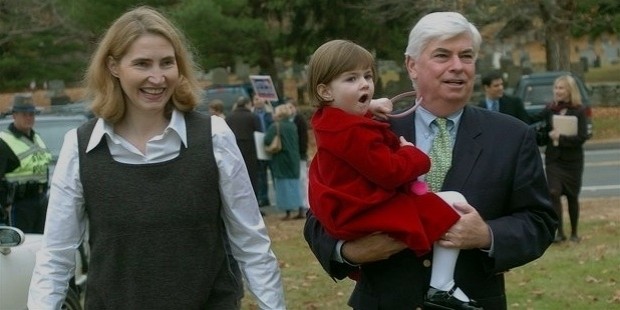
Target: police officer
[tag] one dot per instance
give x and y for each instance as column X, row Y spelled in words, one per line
column 24, row 161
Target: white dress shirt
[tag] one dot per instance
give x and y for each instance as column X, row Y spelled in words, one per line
column 66, row 223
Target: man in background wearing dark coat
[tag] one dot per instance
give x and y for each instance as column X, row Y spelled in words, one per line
column 496, row 100
column 244, row 123
column 264, row 110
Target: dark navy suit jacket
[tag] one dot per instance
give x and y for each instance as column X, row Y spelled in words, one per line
column 497, row 166
column 511, row 106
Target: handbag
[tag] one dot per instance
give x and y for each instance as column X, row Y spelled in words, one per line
column 276, row 144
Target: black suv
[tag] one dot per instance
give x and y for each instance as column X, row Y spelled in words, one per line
column 536, row 91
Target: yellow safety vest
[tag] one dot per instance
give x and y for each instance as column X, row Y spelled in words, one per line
column 34, row 158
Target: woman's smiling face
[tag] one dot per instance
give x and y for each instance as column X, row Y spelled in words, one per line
column 148, row 73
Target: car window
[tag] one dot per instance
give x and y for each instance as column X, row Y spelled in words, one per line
column 228, row 94
column 538, row 94
column 537, row 91
column 52, row 131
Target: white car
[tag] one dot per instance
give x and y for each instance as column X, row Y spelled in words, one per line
column 17, row 257
column 17, row 250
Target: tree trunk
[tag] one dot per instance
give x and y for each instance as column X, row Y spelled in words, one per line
column 557, row 19
column 558, row 48
column 268, row 66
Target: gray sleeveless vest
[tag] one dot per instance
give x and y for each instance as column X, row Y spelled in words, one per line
column 155, row 229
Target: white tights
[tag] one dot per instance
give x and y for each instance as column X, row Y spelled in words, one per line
column 444, row 259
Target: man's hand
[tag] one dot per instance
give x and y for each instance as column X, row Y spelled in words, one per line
column 380, row 108
column 469, row 232
column 371, row 248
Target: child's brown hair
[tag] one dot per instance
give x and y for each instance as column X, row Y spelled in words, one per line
column 332, row 59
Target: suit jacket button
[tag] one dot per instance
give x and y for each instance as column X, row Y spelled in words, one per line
column 426, row 263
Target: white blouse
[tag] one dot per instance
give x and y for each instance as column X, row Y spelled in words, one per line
column 66, row 222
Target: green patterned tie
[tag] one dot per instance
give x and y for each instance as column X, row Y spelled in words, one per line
column 441, row 156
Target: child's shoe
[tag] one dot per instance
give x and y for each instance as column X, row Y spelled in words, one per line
column 437, row 299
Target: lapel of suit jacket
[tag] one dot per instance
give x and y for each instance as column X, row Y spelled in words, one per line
column 501, row 104
column 404, row 127
column 467, row 149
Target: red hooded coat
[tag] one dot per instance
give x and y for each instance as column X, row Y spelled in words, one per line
column 359, row 183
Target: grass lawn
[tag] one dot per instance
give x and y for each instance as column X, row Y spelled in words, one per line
column 605, row 123
column 608, row 74
column 581, row 275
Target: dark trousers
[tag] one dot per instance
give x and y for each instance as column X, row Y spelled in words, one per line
column 262, row 183
column 28, row 214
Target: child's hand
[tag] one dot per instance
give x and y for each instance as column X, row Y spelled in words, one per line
column 404, row 142
column 380, row 108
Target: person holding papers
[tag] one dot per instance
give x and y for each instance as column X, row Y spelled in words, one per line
column 567, row 127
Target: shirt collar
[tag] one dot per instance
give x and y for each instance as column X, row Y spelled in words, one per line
column 18, row 134
column 102, row 128
column 427, row 117
column 490, row 102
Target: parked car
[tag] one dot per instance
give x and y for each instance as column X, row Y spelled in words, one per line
column 17, row 250
column 229, row 94
column 536, row 91
column 17, row 258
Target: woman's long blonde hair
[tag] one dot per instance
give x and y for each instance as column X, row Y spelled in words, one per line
column 573, row 89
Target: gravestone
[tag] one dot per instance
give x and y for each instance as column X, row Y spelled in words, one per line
column 219, row 76
column 56, row 92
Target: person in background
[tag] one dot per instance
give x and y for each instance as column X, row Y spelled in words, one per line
column 496, row 100
column 352, row 198
column 24, row 164
column 264, row 112
column 160, row 189
column 216, row 107
column 285, row 163
column 302, row 135
column 564, row 157
column 244, row 123
column 507, row 221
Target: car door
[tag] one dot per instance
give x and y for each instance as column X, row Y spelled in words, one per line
column 16, row 265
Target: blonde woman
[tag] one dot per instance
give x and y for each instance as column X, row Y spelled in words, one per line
column 163, row 188
column 564, row 157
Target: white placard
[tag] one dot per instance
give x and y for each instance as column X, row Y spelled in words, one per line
column 259, row 142
column 263, row 87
